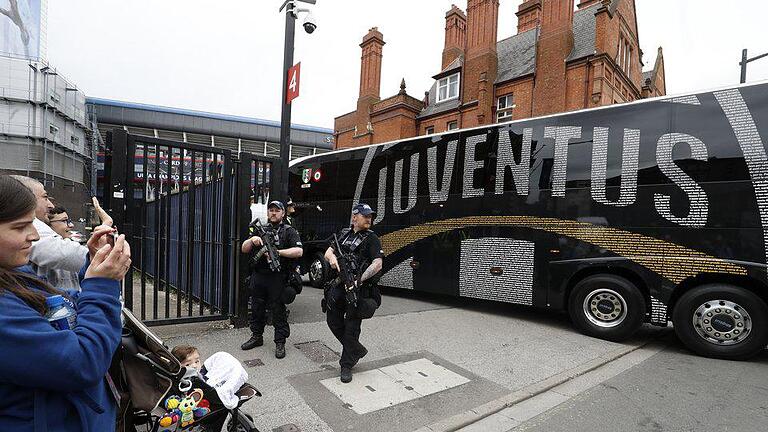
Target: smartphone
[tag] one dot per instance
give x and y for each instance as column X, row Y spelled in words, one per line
column 92, row 219
column 112, row 238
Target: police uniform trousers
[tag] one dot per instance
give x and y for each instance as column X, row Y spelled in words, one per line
column 267, row 291
column 345, row 326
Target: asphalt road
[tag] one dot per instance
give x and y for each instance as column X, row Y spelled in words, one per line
column 671, row 391
column 493, row 351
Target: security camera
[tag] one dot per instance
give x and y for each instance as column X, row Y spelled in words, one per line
column 309, row 23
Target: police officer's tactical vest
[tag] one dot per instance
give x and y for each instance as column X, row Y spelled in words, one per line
column 354, row 244
column 351, row 241
column 278, row 242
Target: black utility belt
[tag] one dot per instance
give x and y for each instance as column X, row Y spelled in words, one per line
column 268, row 272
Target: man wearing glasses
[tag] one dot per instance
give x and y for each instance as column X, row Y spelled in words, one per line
column 60, row 222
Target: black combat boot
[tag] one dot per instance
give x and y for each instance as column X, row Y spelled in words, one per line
column 361, row 352
column 280, row 350
column 253, row 342
column 346, row 374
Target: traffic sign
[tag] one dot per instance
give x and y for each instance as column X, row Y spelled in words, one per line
column 294, row 75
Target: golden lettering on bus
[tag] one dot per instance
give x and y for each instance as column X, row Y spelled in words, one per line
column 670, row 260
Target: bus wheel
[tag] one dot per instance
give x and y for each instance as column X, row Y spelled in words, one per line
column 318, row 270
column 607, row 307
column 722, row 321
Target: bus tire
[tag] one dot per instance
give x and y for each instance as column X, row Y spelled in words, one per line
column 318, row 270
column 721, row 321
column 607, row 306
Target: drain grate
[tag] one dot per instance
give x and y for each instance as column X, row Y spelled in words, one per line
column 318, row 352
column 254, row 363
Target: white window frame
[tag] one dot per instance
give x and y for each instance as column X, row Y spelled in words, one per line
column 445, row 83
column 429, row 130
column 454, row 123
column 504, row 113
column 620, row 52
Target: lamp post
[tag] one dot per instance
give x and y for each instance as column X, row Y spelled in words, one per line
column 291, row 13
column 744, row 61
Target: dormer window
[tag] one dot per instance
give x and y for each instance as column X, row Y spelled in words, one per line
column 448, row 88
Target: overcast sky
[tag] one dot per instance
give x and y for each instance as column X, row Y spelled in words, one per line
column 226, row 56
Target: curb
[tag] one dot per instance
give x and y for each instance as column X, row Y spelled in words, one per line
column 458, row 421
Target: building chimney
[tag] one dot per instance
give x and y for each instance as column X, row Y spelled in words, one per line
column 554, row 45
column 481, row 59
column 370, row 63
column 528, row 15
column 455, row 35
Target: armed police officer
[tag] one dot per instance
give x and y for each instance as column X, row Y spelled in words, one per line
column 356, row 254
column 290, row 210
column 268, row 277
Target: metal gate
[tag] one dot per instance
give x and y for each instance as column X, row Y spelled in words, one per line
column 183, row 209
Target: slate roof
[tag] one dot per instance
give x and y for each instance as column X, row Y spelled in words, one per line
column 517, row 55
column 584, row 22
column 456, row 64
column 648, row 75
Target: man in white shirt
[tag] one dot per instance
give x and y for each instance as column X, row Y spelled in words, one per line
column 51, row 252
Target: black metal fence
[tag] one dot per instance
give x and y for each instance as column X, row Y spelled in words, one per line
column 183, row 208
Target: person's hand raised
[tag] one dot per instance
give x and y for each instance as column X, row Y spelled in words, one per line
column 111, row 262
column 105, row 218
column 100, row 237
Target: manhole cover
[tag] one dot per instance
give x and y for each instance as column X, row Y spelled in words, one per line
column 254, row 363
column 317, row 352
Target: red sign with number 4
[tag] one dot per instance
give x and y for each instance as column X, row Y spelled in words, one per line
column 294, row 75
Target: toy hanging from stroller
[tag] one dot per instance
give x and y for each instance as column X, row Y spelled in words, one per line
column 158, row 394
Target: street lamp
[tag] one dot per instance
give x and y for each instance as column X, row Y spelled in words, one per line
column 291, row 13
column 744, row 61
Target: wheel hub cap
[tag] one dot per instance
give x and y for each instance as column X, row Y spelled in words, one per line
column 316, row 270
column 722, row 322
column 605, row 308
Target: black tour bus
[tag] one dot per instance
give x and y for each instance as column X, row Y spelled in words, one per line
column 651, row 211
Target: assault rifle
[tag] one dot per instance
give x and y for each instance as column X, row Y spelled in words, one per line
column 268, row 239
column 348, row 273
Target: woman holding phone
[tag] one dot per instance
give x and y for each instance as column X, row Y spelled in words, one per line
column 54, row 380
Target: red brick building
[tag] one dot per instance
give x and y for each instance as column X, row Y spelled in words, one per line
column 561, row 59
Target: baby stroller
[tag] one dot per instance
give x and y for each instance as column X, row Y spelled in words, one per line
column 145, row 374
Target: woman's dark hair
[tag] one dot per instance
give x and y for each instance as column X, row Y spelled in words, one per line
column 56, row 210
column 17, row 201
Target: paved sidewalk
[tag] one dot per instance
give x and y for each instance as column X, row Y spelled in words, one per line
column 489, row 350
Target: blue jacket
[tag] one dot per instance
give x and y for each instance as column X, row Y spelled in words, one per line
column 53, row 380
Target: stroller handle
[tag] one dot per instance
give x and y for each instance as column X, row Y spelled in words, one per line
column 159, row 369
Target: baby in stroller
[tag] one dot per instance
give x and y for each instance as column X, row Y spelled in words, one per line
column 158, row 393
column 222, row 374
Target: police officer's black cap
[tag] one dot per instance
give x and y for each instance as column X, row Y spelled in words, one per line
column 289, row 202
column 363, row 209
column 277, row 204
